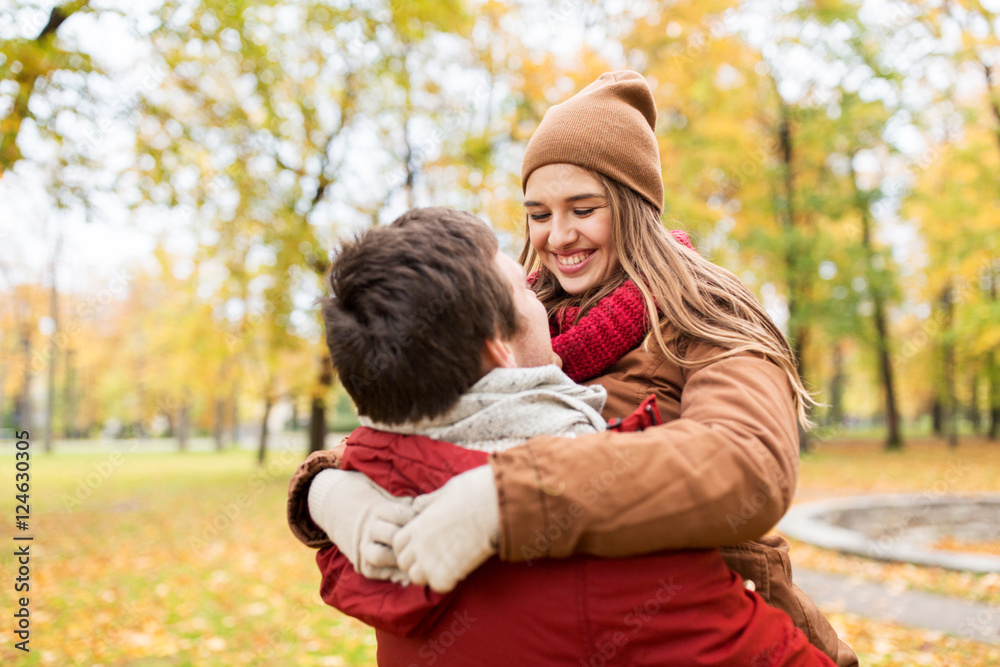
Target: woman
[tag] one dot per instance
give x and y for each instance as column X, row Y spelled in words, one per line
column 721, row 470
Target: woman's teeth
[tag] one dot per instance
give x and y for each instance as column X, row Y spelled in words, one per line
column 570, row 260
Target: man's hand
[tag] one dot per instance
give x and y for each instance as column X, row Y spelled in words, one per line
column 362, row 519
column 455, row 530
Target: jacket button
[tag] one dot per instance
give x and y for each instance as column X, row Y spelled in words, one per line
column 749, row 585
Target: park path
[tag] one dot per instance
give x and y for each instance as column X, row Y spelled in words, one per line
column 882, row 602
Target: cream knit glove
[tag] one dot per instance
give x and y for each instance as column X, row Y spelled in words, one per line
column 361, row 518
column 455, row 530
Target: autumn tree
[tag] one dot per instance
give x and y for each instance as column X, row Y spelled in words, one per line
column 266, row 132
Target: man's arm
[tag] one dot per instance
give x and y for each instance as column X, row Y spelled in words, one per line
column 722, row 473
column 329, row 507
column 297, row 507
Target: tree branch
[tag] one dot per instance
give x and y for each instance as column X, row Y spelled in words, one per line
column 10, row 125
column 59, row 14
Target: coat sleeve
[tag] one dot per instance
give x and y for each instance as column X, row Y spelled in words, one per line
column 722, row 473
column 401, row 610
column 297, row 506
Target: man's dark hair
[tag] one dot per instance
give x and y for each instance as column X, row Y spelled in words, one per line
column 412, row 305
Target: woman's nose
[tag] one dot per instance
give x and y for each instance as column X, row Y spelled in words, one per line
column 563, row 232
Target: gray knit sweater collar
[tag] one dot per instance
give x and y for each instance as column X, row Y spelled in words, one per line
column 510, row 405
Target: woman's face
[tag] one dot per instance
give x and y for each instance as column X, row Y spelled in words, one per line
column 569, row 225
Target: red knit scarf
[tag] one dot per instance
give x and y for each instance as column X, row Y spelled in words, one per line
column 616, row 325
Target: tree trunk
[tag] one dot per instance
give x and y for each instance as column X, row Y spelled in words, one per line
column 317, row 416
column 993, row 363
column 295, row 413
column 992, row 97
column 70, row 398
column 50, row 402
column 234, row 419
column 218, row 424
column 262, row 443
column 975, row 418
column 3, row 377
column 22, row 404
column 937, row 416
column 835, row 417
column 994, row 380
column 950, row 401
column 182, row 427
column 797, row 331
column 893, row 439
column 171, row 424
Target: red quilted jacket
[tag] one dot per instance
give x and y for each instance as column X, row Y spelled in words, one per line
column 667, row 608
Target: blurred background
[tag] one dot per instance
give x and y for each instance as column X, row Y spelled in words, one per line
column 174, row 177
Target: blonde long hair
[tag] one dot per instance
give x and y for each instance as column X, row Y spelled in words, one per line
column 702, row 301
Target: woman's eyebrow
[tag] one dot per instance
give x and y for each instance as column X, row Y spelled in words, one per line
column 586, row 195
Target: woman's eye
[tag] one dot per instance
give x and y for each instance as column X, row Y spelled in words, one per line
column 539, row 217
column 581, row 212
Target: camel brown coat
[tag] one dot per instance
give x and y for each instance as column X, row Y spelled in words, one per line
column 719, row 472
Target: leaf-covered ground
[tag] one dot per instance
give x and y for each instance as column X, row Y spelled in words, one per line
column 173, row 560
column 150, row 560
column 927, row 466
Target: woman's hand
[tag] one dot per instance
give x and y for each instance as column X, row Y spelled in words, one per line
column 360, row 518
column 456, row 528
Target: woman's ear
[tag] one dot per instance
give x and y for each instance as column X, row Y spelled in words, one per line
column 496, row 354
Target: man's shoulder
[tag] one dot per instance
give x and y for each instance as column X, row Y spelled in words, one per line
column 404, row 463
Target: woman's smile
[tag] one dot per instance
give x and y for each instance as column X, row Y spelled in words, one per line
column 573, row 262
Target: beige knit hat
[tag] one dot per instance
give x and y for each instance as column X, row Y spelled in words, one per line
column 607, row 127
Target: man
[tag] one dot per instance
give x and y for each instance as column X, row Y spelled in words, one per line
column 445, row 351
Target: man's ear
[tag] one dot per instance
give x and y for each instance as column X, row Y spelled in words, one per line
column 496, row 354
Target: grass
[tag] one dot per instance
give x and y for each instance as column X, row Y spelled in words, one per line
column 157, row 559
column 926, row 465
